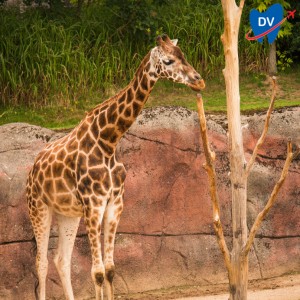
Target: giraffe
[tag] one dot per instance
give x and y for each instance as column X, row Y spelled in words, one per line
column 79, row 176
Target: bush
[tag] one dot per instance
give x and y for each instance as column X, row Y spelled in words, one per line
column 55, row 56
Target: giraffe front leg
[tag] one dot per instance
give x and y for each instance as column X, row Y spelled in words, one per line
column 93, row 216
column 111, row 221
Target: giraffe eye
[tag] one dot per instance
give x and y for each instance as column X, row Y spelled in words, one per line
column 168, row 62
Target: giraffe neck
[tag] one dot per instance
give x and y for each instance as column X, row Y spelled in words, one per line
column 115, row 116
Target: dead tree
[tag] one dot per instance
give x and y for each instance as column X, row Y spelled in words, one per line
column 236, row 261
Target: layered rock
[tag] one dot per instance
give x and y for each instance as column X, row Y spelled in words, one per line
column 165, row 237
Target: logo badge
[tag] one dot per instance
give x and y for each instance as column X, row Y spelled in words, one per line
column 267, row 23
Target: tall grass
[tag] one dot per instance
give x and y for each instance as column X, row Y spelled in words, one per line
column 48, row 59
column 53, row 61
column 198, row 28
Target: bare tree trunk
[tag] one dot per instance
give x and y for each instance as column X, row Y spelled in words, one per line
column 272, row 62
column 236, row 261
column 238, row 275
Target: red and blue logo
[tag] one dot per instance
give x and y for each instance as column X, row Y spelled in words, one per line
column 267, row 23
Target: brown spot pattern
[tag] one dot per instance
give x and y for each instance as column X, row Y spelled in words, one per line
column 79, row 172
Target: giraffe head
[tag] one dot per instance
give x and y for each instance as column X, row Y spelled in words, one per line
column 169, row 62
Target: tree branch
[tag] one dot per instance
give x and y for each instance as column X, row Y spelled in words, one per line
column 241, row 6
column 210, row 169
column 262, row 214
column 265, row 130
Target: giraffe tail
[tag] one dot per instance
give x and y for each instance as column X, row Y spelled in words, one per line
column 33, row 249
column 33, row 252
column 36, row 288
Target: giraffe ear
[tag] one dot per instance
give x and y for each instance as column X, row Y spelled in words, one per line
column 159, row 41
column 174, row 42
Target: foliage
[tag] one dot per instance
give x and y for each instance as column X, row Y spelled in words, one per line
column 59, row 56
column 136, row 17
column 262, row 5
column 283, row 61
column 288, row 41
column 46, row 58
column 291, row 43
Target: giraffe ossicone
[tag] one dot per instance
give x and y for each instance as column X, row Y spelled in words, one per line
column 79, row 175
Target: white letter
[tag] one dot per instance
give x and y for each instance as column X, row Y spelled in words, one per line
column 270, row 23
column 260, row 23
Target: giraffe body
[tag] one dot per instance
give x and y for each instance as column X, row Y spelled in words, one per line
column 79, row 175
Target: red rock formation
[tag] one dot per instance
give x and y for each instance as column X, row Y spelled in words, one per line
column 165, row 237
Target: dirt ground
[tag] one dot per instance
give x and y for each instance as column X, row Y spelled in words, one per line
column 278, row 288
column 277, row 293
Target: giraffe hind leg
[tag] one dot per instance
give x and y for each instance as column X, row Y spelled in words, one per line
column 111, row 221
column 41, row 217
column 67, row 229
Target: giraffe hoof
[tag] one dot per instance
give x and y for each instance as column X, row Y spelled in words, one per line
column 110, row 274
column 99, row 278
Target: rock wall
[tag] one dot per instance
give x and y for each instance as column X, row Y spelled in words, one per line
column 165, row 237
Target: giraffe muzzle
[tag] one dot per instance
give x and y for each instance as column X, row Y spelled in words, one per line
column 197, row 85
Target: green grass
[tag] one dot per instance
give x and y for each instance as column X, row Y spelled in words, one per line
column 52, row 58
column 255, row 93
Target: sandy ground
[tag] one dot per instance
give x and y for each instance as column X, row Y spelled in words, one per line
column 278, row 288
column 287, row 293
